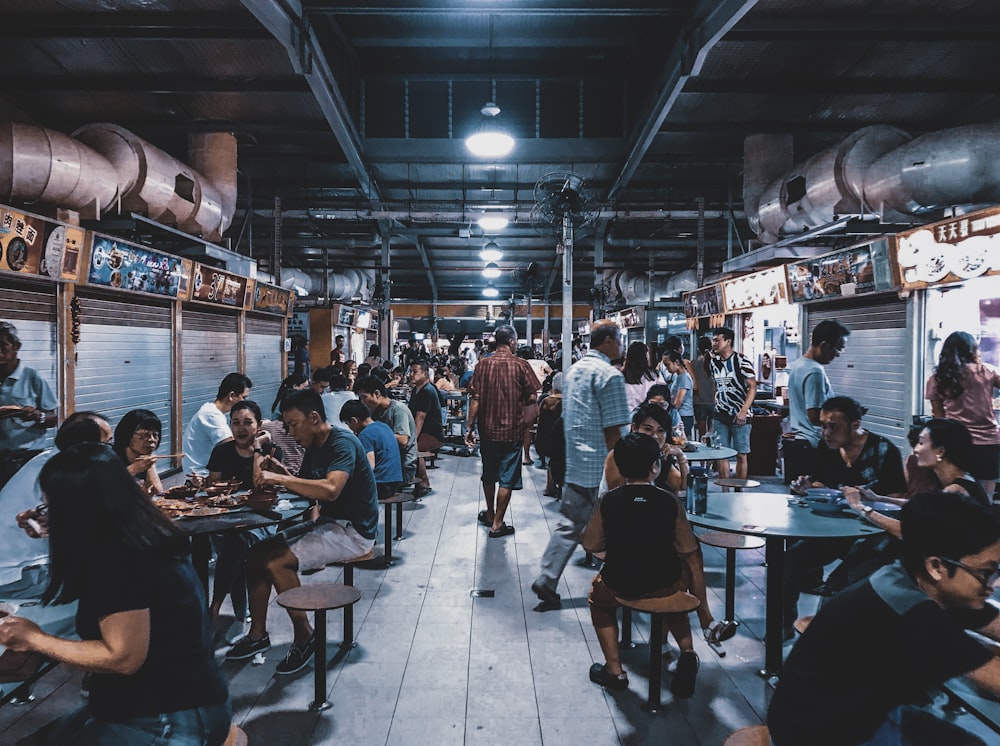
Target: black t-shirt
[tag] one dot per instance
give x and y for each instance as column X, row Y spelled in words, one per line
column 180, row 671
column 879, row 461
column 225, row 459
column 874, row 647
column 429, row 401
column 358, row 500
column 644, row 531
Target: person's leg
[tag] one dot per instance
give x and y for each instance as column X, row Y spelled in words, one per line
column 723, row 436
column 489, row 491
column 503, row 500
column 741, row 442
column 604, row 616
column 283, row 570
column 508, row 479
column 259, row 584
column 526, row 444
column 680, row 627
column 575, row 508
column 230, row 555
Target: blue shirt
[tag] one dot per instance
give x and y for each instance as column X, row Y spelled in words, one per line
column 25, row 388
column 808, row 388
column 358, row 500
column 378, row 438
column 683, row 380
column 593, row 399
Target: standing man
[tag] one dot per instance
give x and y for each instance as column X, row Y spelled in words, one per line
column 27, row 406
column 210, row 425
column 425, row 405
column 594, row 412
column 503, row 388
column 808, row 388
column 735, row 388
column 373, row 394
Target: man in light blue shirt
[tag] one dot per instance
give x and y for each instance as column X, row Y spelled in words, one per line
column 27, row 404
column 594, row 412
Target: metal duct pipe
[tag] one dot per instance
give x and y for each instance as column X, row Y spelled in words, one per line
column 343, row 284
column 214, row 156
column 765, row 158
column 633, row 285
column 42, row 165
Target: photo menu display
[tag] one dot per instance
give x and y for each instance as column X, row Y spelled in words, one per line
column 117, row 264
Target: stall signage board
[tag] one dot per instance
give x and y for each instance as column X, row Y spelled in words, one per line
column 949, row 251
column 216, row 286
column 124, row 266
column 755, row 290
column 33, row 245
column 271, row 299
column 861, row 270
column 632, row 318
column 298, row 323
column 705, row 301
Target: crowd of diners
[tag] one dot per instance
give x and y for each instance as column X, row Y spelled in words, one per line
column 85, row 528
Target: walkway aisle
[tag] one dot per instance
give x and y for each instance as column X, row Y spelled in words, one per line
column 436, row 666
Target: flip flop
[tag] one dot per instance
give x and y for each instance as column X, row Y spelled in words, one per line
column 504, row 530
column 485, row 519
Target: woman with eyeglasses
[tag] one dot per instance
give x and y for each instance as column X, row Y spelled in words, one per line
column 136, row 438
column 141, row 619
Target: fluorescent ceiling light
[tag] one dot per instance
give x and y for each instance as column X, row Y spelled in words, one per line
column 489, row 291
column 491, row 271
column 491, row 252
column 493, row 222
column 490, row 143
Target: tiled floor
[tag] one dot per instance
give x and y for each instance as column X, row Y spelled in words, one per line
column 434, row 665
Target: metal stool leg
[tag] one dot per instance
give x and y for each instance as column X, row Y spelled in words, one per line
column 626, row 628
column 655, row 661
column 730, row 584
column 320, row 702
column 388, row 535
column 399, row 521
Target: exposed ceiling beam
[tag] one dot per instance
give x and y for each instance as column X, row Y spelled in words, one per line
column 709, row 22
column 153, row 84
column 427, row 268
column 517, row 8
column 134, row 25
column 785, row 85
column 856, row 27
column 476, row 41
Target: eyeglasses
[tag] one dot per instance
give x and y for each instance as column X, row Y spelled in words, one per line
column 986, row 577
column 146, row 435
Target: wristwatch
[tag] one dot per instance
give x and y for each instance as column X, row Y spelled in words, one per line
column 259, row 450
column 867, row 510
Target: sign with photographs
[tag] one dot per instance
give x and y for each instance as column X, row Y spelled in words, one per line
column 703, row 302
column 271, row 299
column 216, row 286
column 124, row 266
column 765, row 288
column 950, row 251
column 858, row 271
column 22, row 237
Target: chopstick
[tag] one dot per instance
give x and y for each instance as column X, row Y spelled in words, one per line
column 170, row 455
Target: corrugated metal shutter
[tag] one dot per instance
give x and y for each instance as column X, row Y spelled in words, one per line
column 123, row 359
column 32, row 309
column 874, row 368
column 263, row 349
column 210, row 351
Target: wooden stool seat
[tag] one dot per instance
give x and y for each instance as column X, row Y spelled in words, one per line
column 430, row 456
column 677, row 603
column 801, row 623
column 754, row 735
column 730, row 542
column 737, row 484
column 321, row 598
column 398, row 499
column 236, row 737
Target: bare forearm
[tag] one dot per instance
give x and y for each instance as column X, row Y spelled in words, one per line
column 90, row 655
column 314, row 489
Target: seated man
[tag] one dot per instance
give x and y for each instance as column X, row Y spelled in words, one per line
column 335, row 471
column 380, row 446
column 649, row 552
column 373, row 394
column 883, row 643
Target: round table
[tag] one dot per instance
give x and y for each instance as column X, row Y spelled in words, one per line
column 709, row 454
column 774, row 518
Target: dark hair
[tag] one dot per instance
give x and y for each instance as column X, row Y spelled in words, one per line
column 9, row 332
column 305, row 401
column 635, row 455
column 829, row 331
column 132, row 421
column 954, row 438
column 338, row 382
column 658, row 389
column 637, row 367
column 289, row 384
column 704, row 345
column 364, row 369
column 673, row 342
column 422, row 364
column 525, row 353
column 378, row 372
column 93, row 502
column 354, row 408
column 325, row 374
column 673, row 356
column 79, row 427
column 913, row 436
column 247, row 404
column 959, row 349
column 726, row 333
column 602, row 334
column 504, row 335
column 370, row 385
column 945, row 524
column 234, row 383
column 845, row 405
column 651, row 411
column 374, row 352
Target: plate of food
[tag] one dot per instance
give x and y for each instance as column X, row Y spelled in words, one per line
column 224, row 501
column 204, row 511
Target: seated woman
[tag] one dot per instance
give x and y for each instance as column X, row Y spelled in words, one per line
column 660, row 394
column 650, row 551
column 136, row 437
column 141, row 616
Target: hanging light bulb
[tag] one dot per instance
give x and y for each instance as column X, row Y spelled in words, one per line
column 491, row 252
column 490, row 291
column 489, row 140
column 493, row 223
column 491, row 271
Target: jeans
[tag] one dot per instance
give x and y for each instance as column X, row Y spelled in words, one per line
column 576, row 505
column 204, row 726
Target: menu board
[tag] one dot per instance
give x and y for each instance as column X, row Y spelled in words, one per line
column 765, row 288
column 121, row 265
column 950, row 251
column 705, row 301
column 857, row 271
column 271, row 299
column 213, row 285
column 22, row 237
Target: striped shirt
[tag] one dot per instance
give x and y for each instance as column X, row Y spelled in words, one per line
column 593, row 399
column 730, row 391
column 502, row 384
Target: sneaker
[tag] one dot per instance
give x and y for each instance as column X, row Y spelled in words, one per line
column 248, row 648
column 599, row 675
column 298, row 657
column 683, row 682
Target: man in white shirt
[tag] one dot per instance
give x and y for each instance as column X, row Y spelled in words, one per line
column 334, row 399
column 210, row 425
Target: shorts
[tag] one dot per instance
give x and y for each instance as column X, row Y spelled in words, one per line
column 984, row 462
column 328, row 541
column 733, row 436
column 703, row 412
column 501, row 463
column 603, row 601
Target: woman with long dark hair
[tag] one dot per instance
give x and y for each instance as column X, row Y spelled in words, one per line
column 294, row 382
column 136, row 437
column 639, row 376
column 961, row 388
column 141, row 616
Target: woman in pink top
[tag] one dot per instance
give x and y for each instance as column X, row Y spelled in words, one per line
column 962, row 389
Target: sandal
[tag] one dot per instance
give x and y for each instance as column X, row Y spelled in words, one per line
column 485, row 518
column 717, row 631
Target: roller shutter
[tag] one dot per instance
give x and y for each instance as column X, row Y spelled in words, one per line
column 209, row 350
column 263, row 357
column 875, row 367
column 123, row 359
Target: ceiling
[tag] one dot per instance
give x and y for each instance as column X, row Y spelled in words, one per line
column 351, row 116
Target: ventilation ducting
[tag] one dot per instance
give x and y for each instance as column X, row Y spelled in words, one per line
column 344, row 285
column 632, row 286
column 102, row 166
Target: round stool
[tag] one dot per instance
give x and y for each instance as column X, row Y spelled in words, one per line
column 681, row 602
column 730, row 542
column 236, row 737
column 398, row 499
column 321, row 598
column 754, row 735
column 737, row 484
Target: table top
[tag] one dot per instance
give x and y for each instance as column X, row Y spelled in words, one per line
column 769, row 514
column 241, row 519
column 708, row 454
column 980, row 704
